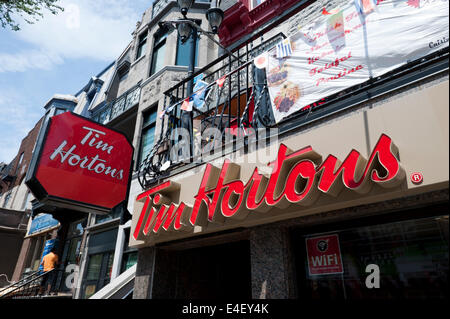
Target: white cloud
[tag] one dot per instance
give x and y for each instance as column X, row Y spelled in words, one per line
column 22, row 117
column 98, row 30
column 87, row 29
column 25, row 60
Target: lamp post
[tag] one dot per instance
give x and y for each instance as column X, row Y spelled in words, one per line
column 188, row 28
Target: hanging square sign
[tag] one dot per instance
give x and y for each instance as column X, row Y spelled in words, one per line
column 324, row 255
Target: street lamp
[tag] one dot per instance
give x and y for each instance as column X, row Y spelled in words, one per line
column 186, row 28
column 215, row 18
column 184, row 31
column 185, row 5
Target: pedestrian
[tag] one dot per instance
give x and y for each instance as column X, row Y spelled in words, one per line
column 49, row 263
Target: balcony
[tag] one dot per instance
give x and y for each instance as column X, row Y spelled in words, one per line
column 7, row 175
column 235, row 109
column 112, row 110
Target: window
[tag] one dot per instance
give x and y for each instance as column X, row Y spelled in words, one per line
column 104, row 218
column 71, row 251
column 142, row 44
column 7, row 198
column 129, row 257
column 184, row 52
column 158, row 55
column 411, row 255
column 123, row 76
column 19, row 163
column 255, row 3
column 148, row 134
column 100, row 261
column 25, row 201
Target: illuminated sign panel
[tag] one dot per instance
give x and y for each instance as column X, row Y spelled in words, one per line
column 82, row 164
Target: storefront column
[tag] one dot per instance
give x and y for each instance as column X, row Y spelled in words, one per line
column 143, row 280
column 271, row 273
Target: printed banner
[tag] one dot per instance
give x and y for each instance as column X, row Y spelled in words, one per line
column 324, row 255
column 350, row 46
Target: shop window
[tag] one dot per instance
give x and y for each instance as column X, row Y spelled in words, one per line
column 104, row 218
column 76, row 228
column 412, row 257
column 37, row 253
column 129, row 257
column 100, row 261
column 98, row 274
column 71, row 251
column 158, row 54
column 142, row 44
column 184, row 52
column 148, row 133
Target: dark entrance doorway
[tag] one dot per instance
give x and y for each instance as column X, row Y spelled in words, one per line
column 213, row 272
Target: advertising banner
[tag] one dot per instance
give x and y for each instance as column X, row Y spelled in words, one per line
column 324, row 255
column 351, row 45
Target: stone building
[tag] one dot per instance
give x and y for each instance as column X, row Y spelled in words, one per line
column 301, row 198
column 311, row 225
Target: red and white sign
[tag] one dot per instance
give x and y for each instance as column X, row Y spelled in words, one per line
column 222, row 194
column 82, row 163
column 324, row 255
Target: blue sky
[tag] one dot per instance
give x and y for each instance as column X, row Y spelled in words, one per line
column 58, row 55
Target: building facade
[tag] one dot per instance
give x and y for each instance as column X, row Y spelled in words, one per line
column 126, row 96
column 315, row 161
column 335, row 192
column 15, row 206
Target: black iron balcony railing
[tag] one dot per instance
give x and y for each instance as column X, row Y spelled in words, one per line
column 235, row 109
column 26, row 288
column 112, row 110
column 7, row 174
column 228, row 107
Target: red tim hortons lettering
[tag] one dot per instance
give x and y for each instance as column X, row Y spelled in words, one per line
column 297, row 178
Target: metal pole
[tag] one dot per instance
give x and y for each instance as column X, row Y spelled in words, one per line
column 187, row 117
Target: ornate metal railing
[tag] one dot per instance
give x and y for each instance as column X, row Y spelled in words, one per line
column 28, row 287
column 230, row 108
column 111, row 110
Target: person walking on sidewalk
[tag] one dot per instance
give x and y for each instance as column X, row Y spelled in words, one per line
column 49, row 262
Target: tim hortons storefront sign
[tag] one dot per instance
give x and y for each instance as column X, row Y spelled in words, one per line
column 81, row 165
column 297, row 178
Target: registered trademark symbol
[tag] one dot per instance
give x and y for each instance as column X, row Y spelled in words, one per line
column 416, row 178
